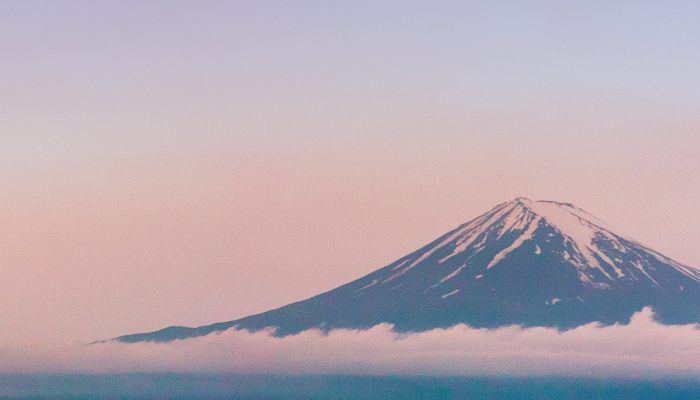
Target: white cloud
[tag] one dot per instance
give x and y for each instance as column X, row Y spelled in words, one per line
column 641, row 348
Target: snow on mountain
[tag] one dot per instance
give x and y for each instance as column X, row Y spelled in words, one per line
column 534, row 263
column 586, row 244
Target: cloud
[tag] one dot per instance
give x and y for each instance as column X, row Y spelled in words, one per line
column 641, row 348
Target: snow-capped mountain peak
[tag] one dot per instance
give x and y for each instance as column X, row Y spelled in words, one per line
column 579, row 238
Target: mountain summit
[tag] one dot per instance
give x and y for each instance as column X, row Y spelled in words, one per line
column 532, row 263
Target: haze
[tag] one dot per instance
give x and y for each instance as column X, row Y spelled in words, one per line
column 181, row 163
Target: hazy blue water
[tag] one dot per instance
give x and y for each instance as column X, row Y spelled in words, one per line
column 170, row 386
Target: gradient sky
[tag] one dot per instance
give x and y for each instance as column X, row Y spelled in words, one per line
column 190, row 162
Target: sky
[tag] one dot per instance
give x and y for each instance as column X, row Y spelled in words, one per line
column 182, row 163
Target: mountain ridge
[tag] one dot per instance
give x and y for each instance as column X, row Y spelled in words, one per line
column 525, row 262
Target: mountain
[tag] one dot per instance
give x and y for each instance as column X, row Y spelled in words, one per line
column 532, row 263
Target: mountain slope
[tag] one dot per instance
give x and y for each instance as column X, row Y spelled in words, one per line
column 533, row 263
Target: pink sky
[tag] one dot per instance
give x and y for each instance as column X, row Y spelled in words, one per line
column 184, row 164
column 140, row 244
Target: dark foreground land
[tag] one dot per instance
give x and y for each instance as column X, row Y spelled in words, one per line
column 174, row 386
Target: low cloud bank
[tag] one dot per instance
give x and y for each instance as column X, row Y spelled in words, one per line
column 641, row 348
